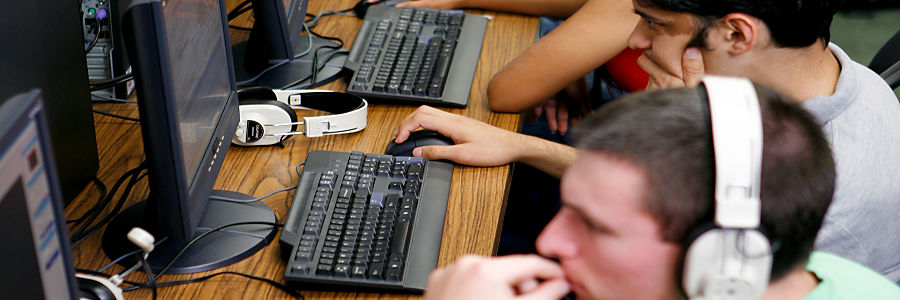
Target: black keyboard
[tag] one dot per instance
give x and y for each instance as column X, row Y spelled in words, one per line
column 369, row 221
column 415, row 56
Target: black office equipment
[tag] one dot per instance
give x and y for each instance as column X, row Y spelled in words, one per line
column 35, row 258
column 106, row 59
column 180, row 52
column 366, row 221
column 279, row 55
column 43, row 48
column 416, row 139
column 416, row 56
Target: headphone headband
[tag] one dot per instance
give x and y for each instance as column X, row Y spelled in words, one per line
column 737, row 140
column 733, row 259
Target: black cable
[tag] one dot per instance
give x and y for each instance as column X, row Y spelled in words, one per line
column 115, row 211
column 116, row 116
column 105, row 99
column 102, row 203
column 202, row 235
column 239, row 27
column 240, row 9
column 315, row 18
column 100, row 185
column 307, row 77
column 102, row 85
column 149, row 273
column 340, row 45
column 114, row 80
column 86, row 230
column 96, row 38
column 274, row 283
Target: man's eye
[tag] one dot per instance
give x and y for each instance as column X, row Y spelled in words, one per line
column 652, row 25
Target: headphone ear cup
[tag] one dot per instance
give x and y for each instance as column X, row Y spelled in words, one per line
column 286, row 108
column 727, row 264
column 691, row 267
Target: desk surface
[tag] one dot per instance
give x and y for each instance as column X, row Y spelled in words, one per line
column 477, row 195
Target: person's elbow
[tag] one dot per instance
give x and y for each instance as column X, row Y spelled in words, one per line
column 504, row 98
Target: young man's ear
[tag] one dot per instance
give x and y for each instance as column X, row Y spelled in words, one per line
column 736, row 33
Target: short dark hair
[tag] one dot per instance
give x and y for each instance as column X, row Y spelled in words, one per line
column 667, row 134
column 793, row 24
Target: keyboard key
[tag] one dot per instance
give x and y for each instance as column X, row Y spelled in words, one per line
column 323, row 270
column 341, row 270
column 376, row 271
column 358, row 271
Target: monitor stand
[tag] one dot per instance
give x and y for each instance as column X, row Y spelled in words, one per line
column 215, row 250
column 298, row 72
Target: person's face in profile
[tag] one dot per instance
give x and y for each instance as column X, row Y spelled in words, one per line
column 663, row 35
column 607, row 243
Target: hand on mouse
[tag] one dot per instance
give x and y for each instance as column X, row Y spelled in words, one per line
column 691, row 67
column 480, row 144
column 505, row 277
column 477, row 143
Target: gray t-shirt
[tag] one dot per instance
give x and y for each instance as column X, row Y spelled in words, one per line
column 861, row 120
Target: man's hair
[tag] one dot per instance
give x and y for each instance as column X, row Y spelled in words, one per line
column 667, row 134
column 793, row 24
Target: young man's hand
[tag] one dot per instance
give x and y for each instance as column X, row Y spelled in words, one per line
column 691, row 67
column 476, row 143
column 566, row 107
column 506, row 277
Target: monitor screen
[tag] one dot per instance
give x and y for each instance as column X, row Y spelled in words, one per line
column 181, row 55
column 200, row 91
column 279, row 53
column 35, row 258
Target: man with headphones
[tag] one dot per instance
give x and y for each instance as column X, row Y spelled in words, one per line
column 720, row 196
column 782, row 44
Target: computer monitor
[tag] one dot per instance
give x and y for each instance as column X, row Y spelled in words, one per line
column 271, row 56
column 180, row 53
column 35, row 258
column 43, row 48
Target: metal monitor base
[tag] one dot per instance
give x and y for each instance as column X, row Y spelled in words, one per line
column 298, row 72
column 215, row 250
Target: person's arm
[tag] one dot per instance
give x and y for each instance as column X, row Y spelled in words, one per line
column 550, row 8
column 594, row 34
column 480, row 144
column 505, row 277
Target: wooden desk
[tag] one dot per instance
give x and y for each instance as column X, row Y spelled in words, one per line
column 477, row 195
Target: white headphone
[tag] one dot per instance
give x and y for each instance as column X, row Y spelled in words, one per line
column 732, row 260
column 267, row 116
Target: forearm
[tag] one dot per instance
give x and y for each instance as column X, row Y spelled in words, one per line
column 584, row 42
column 550, row 157
column 549, row 8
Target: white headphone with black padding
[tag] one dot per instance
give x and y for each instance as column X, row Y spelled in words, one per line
column 733, row 259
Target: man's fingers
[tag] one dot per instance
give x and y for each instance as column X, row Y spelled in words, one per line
column 692, row 67
column 651, row 67
column 549, row 289
column 562, row 116
column 518, row 268
column 550, row 108
column 435, row 152
column 426, row 117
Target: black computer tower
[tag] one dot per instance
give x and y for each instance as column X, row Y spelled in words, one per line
column 43, row 47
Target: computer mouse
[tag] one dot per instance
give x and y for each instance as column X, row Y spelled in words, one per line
column 417, row 139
